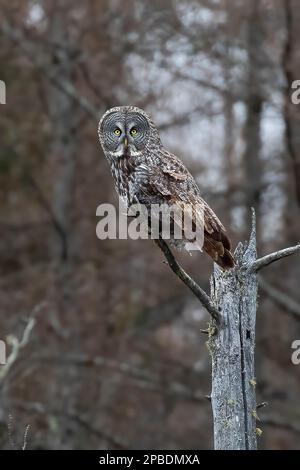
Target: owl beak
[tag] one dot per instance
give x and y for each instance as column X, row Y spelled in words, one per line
column 126, row 142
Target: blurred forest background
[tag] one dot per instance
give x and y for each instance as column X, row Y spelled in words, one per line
column 115, row 358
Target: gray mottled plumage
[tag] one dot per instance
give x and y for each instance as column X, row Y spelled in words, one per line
column 143, row 169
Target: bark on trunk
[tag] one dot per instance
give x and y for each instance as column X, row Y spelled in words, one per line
column 232, row 351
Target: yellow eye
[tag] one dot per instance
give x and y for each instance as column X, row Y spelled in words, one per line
column 134, row 131
column 117, row 131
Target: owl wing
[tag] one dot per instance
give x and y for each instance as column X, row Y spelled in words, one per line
column 176, row 186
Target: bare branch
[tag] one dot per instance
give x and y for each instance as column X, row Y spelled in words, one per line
column 141, row 378
column 272, row 257
column 24, row 446
column 263, row 404
column 16, row 345
column 42, row 199
column 66, row 86
column 187, row 280
column 281, row 298
column 41, row 409
column 185, row 118
column 276, row 422
column 171, row 389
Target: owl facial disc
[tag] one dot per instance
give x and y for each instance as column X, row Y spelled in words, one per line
column 124, row 132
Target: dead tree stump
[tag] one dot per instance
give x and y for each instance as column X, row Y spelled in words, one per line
column 234, row 294
column 231, row 343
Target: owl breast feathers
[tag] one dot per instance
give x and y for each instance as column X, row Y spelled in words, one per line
column 144, row 171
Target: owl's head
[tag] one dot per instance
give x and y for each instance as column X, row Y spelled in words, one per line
column 126, row 131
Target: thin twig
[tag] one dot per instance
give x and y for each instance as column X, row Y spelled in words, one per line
column 187, row 280
column 10, row 431
column 272, row 257
column 25, row 437
column 139, row 376
column 278, row 423
column 16, row 347
column 46, row 205
column 263, row 404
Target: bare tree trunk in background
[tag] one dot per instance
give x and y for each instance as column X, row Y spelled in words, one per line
column 61, row 109
column 232, row 352
column 228, row 103
column 291, row 67
column 64, row 119
column 254, row 102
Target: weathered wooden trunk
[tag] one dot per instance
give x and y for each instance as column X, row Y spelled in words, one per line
column 232, row 306
column 232, row 349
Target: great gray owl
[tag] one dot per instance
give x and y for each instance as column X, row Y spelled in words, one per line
column 143, row 170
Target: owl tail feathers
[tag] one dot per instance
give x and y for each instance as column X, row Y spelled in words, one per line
column 219, row 251
column 226, row 261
